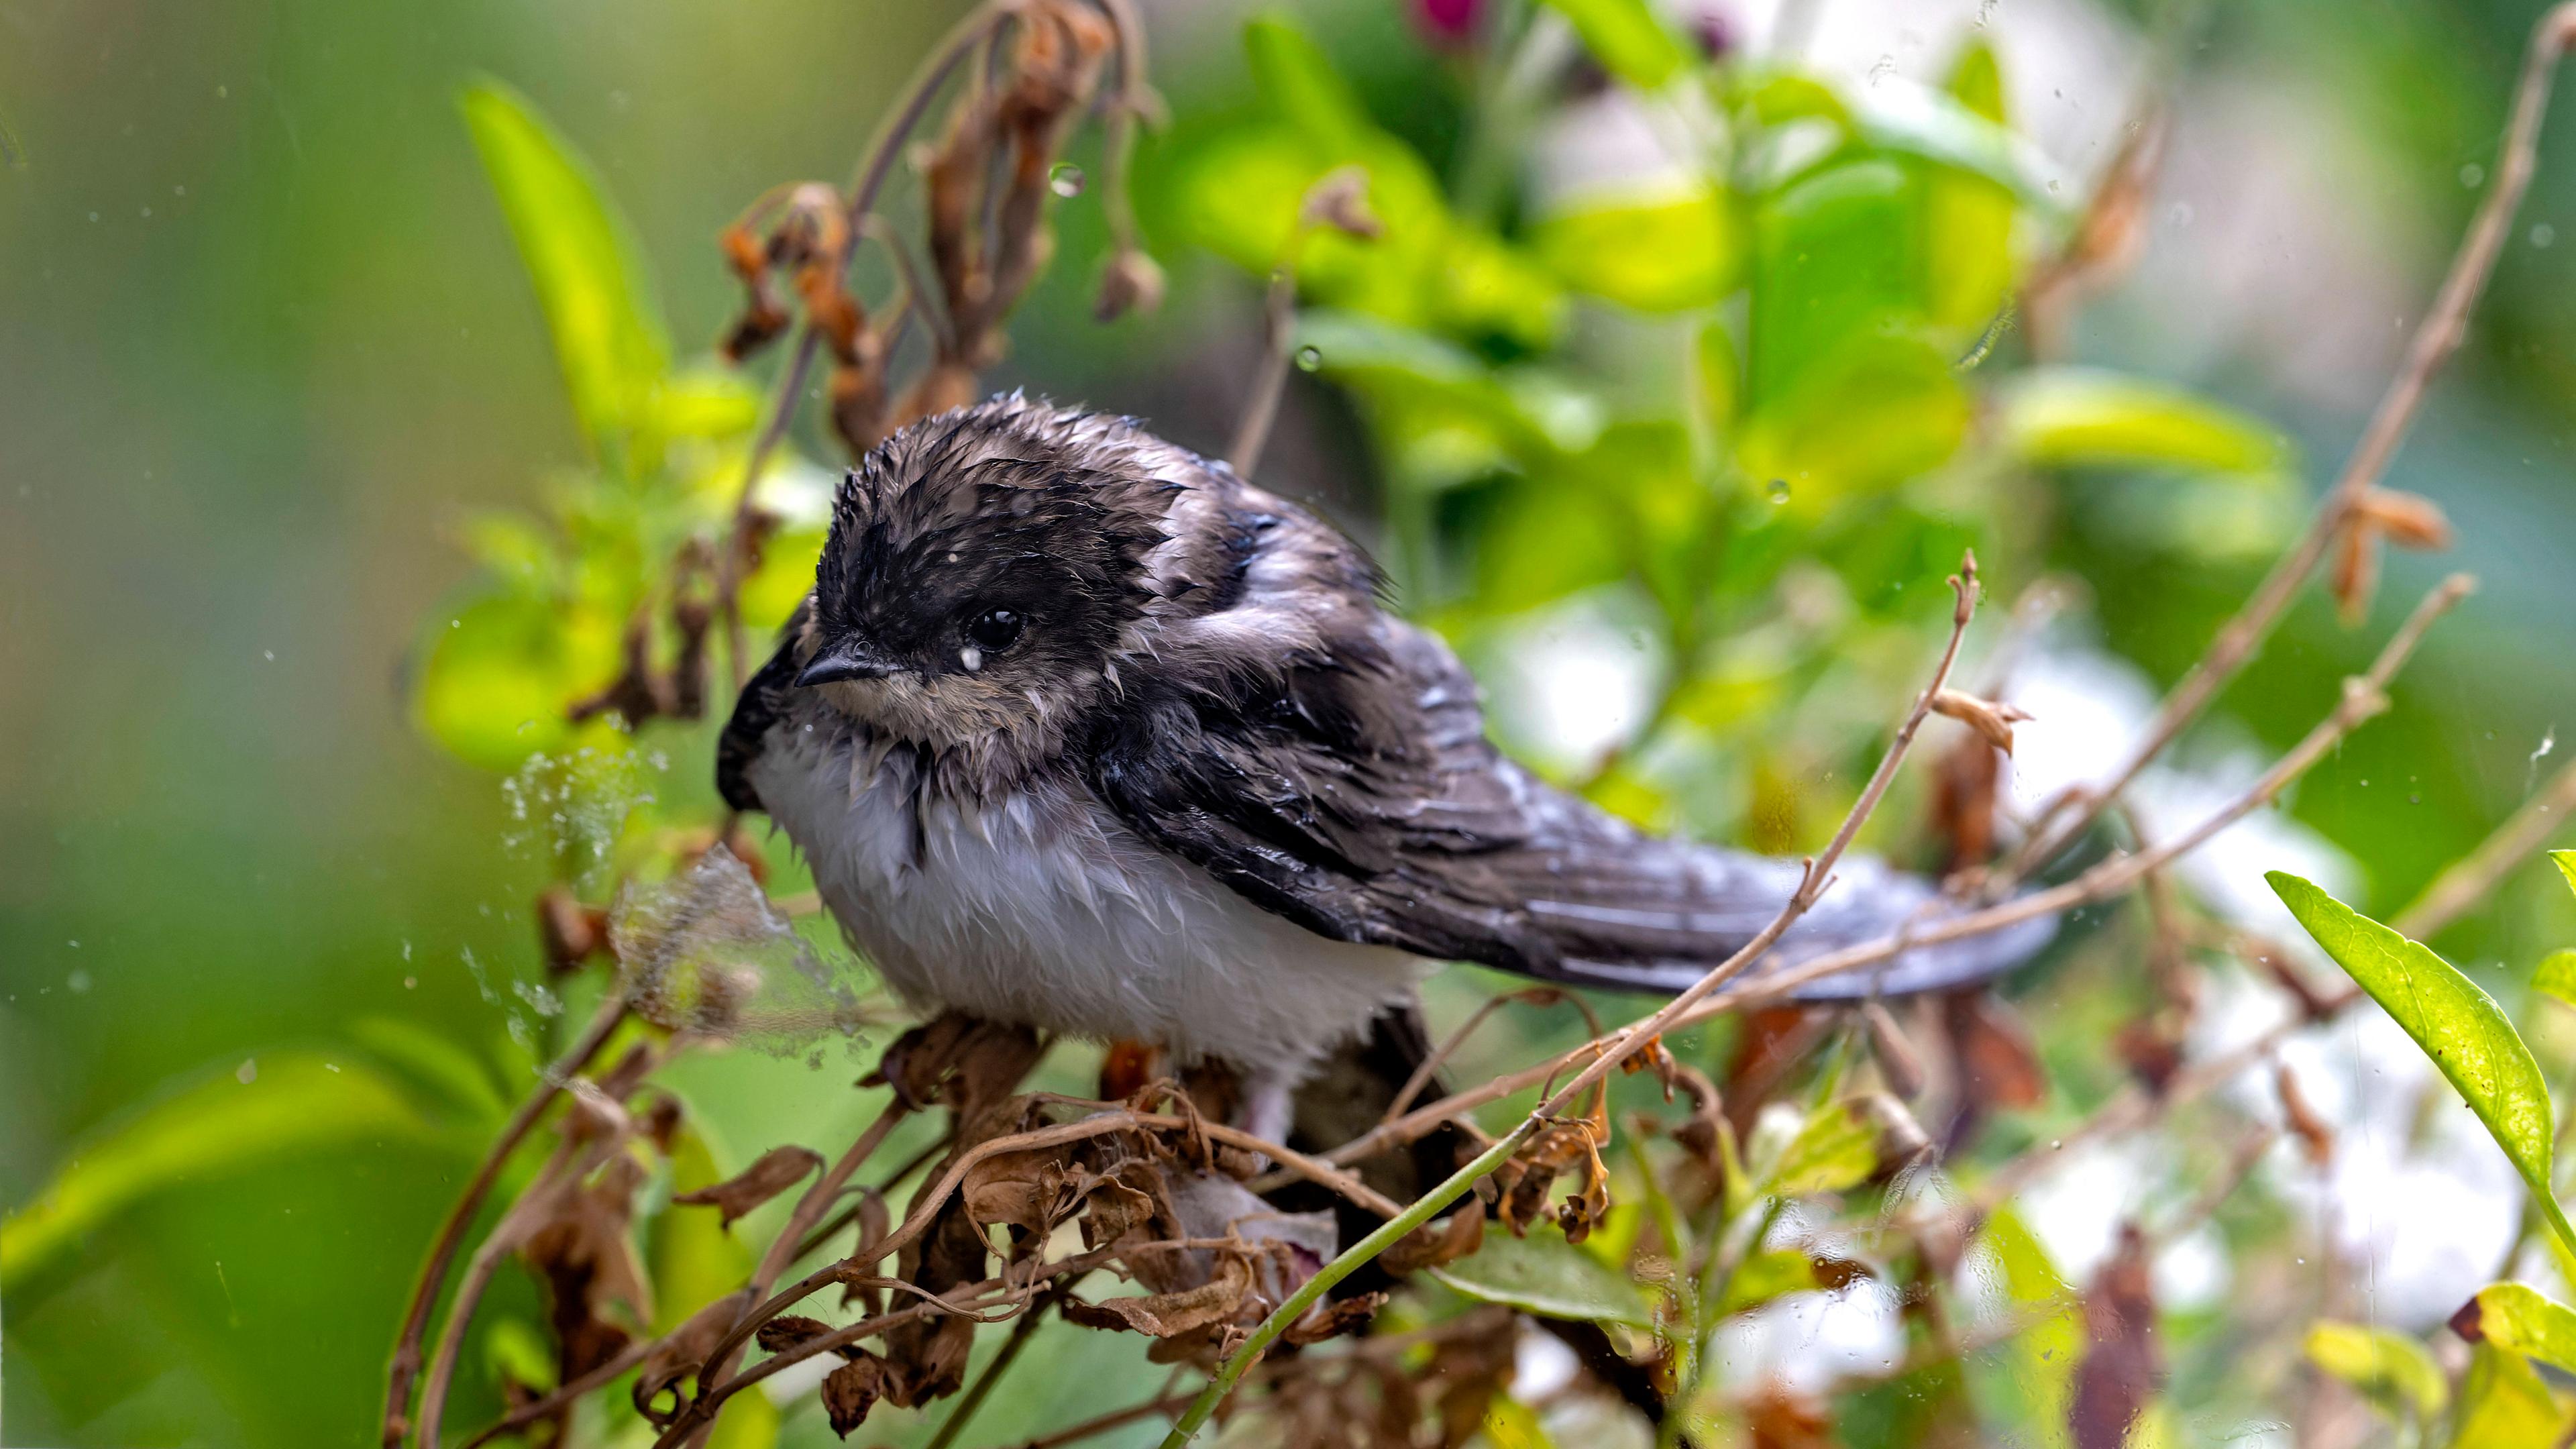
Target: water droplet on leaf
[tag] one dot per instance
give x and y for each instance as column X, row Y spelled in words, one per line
column 1779, row 490
column 1309, row 358
column 1066, row 179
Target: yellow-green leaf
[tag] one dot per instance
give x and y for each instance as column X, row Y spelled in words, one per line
column 1660, row 253
column 269, row 1107
column 2516, row 1318
column 1835, row 1148
column 2386, row 1365
column 1545, row 1274
column 499, row 673
column 589, row 278
column 1765, row 1275
column 2566, row 861
column 1628, row 38
column 2458, row 1025
column 2504, row 1404
column 2065, row 416
column 1968, row 218
column 2556, row 976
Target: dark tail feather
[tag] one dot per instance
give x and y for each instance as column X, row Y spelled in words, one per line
column 1663, row 948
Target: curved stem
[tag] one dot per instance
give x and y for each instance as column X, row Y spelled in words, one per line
column 406, row 1365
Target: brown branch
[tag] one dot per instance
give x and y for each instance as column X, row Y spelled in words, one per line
column 2435, row 339
column 406, row 1365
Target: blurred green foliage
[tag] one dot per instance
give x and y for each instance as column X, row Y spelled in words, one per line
column 1751, row 414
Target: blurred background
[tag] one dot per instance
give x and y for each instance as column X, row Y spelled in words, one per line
column 267, row 354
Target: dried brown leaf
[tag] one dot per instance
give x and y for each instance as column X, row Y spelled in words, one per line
column 778, row 1169
column 1999, row 1066
column 1325, row 1321
column 1460, row 1234
column 1169, row 1315
column 2122, row 1362
column 2316, row 1138
column 580, row 1247
column 851, row 1390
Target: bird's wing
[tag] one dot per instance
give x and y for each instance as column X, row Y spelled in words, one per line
column 763, row 698
column 1357, row 795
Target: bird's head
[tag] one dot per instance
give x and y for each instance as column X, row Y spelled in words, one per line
column 986, row 571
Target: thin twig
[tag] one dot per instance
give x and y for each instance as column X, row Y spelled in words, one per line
column 982, row 1389
column 2435, row 339
column 1534, row 995
column 565, row 1397
column 2466, row 881
column 1615, row 1049
column 406, row 1364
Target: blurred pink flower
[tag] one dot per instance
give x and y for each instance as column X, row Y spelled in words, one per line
column 1448, row 22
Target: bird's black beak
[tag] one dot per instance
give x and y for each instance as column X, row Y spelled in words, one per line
column 849, row 657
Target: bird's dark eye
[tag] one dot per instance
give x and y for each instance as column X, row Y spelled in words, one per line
column 996, row 629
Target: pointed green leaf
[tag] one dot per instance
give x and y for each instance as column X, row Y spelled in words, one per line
column 1545, row 1274
column 2064, row 416
column 2388, row 1366
column 1967, row 217
column 608, row 334
column 1836, row 1148
column 1628, row 38
column 2456, row 1024
column 2556, row 976
column 2566, row 860
column 1666, row 252
column 266, row 1109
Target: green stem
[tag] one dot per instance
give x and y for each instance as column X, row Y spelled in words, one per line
column 2557, row 1221
column 1423, row 1210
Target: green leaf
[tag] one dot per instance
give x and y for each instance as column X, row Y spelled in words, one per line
column 2390, row 1367
column 1884, row 409
column 2456, row 1024
column 1765, row 1275
column 608, row 335
column 2504, row 1404
column 1298, row 79
column 1545, row 1274
column 1968, row 217
column 2026, row 1383
column 2556, row 976
column 1836, row 1148
column 1933, row 126
column 1836, row 256
column 1658, row 253
column 2566, row 860
column 455, row 1073
column 1627, row 37
column 498, row 674
column 2516, row 1318
column 290, row 1103
column 2065, row 416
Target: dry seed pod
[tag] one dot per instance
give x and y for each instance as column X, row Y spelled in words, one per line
column 1340, row 201
column 2409, row 520
column 1131, row 283
column 1988, row 718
